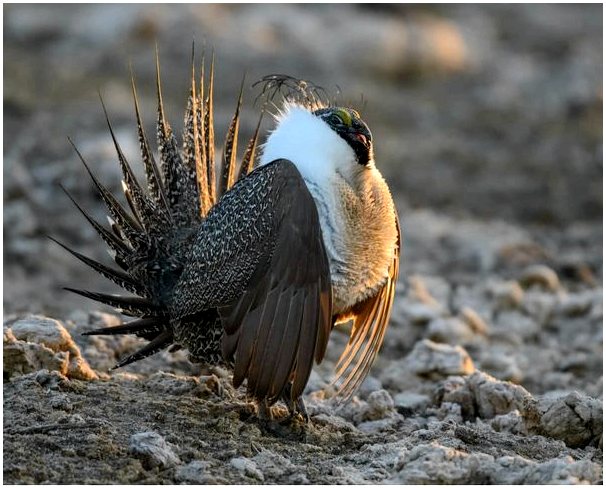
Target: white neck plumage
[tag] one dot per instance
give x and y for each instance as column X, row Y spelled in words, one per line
column 317, row 151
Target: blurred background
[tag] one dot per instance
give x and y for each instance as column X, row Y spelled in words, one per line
column 487, row 121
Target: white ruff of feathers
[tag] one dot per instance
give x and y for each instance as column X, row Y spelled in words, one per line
column 312, row 145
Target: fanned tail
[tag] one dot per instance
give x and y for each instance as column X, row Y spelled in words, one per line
column 150, row 244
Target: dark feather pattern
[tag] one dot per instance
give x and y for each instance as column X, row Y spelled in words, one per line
column 131, row 306
column 121, row 279
column 148, row 328
column 160, row 342
column 131, row 229
column 143, row 209
column 248, row 160
column 154, row 182
column 180, row 184
column 120, row 248
column 228, row 172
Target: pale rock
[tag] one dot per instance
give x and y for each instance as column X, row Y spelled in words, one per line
column 511, row 422
column 474, row 321
column 540, row 275
column 37, row 342
column 506, row 294
column 411, row 400
column 562, row 470
column 369, row 386
column 420, row 313
column 437, row 464
column 436, row 361
column 574, row 304
column 513, row 324
column 451, row 330
column 353, row 410
column 153, row 450
column 431, row 291
column 315, row 383
column 474, row 297
column 576, row 419
column 21, row 358
column 247, row 467
column 501, row 363
column 427, row 362
column 335, row 422
column 447, row 411
column 539, row 305
column 44, row 331
column 380, row 405
column 274, row 465
column 298, row 479
column 167, row 383
column 378, row 425
column 195, row 472
column 481, row 395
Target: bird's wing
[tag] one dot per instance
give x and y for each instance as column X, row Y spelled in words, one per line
column 280, row 319
column 366, row 337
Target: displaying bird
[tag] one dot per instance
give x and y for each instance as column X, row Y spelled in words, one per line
column 253, row 267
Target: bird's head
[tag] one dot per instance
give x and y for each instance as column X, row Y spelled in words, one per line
column 348, row 124
column 321, row 141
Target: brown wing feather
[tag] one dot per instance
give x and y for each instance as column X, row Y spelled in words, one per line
column 368, row 331
column 281, row 321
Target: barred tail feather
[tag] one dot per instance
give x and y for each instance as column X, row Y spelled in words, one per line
column 130, row 306
column 180, row 184
column 116, row 276
column 228, row 171
column 248, row 160
column 147, row 327
column 120, row 249
column 142, row 207
column 132, row 230
column 155, row 186
column 209, row 135
column 160, row 342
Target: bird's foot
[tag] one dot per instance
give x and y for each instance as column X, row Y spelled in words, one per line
column 294, row 406
column 264, row 411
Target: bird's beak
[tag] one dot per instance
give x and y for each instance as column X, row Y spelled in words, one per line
column 362, row 138
column 359, row 132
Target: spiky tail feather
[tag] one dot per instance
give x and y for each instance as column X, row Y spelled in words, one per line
column 146, row 243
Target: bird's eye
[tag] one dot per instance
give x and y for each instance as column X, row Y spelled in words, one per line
column 335, row 120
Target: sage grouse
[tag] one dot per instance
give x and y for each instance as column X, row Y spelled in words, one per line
column 253, row 267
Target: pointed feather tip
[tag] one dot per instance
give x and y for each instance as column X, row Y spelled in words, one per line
column 56, row 241
column 193, row 50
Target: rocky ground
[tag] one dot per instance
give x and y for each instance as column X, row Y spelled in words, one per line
column 488, row 122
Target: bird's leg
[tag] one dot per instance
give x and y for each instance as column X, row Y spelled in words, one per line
column 296, row 406
column 264, row 411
